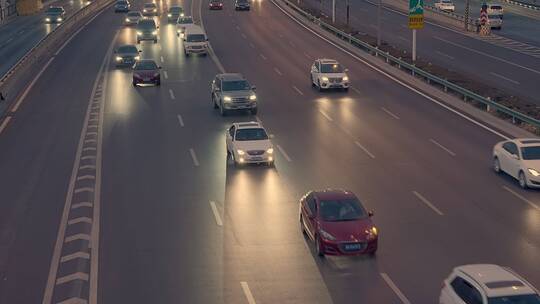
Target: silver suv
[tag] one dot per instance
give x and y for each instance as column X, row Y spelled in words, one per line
column 233, row 92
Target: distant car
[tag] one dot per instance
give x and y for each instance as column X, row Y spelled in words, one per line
column 133, row 18
column 215, row 4
column 121, row 6
column 329, row 74
column 147, row 30
column 55, row 14
column 337, row 223
column 233, row 92
column 487, row 284
column 126, row 55
column 195, row 41
column 150, row 9
column 445, row 5
column 174, row 13
column 146, row 71
column 495, row 21
column 182, row 23
column 519, row 158
column 242, row 5
column 495, row 9
column 248, row 143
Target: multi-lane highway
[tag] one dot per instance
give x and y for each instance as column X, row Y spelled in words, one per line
column 178, row 223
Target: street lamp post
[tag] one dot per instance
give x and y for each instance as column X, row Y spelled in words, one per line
column 379, row 23
column 333, row 11
column 347, row 3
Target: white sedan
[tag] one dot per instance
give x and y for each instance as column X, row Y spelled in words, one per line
column 445, row 5
column 248, row 143
column 519, row 158
column 329, row 74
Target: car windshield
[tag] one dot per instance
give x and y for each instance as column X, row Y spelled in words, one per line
column 331, row 68
column 520, row 299
column 146, row 24
column 496, row 7
column 342, row 210
column 134, row 14
column 185, row 20
column 236, row 85
column 121, row 2
column 530, row 153
column 251, row 134
column 146, row 65
column 176, row 10
column 446, row 1
column 196, row 38
column 128, row 49
column 54, row 10
column 242, row 1
column 494, row 17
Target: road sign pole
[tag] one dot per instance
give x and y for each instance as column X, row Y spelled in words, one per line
column 348, row 12
column 414, row 45
column 379, row 23
column 333, row 11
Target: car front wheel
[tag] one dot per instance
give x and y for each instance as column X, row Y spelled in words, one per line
column 522, row 180
column 222, row 111
column 319, row 86
column 254, row 111
column 496, row 165
column 318, row 247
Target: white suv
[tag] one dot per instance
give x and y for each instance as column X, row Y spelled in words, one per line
column 195, row 41
column 487, row 284
column 328, row 74
column 248, row 143
column 445, row 5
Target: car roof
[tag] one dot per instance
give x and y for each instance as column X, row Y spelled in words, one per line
column 146, row 60
column 495, row 280
column 332, row 194
column 327, row 61
column 195, row 29
column 527, row 142
column 247, row 125
column 231, row 76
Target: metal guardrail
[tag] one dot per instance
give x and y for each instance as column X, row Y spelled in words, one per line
column 16, row 78
column 415, row 71
column 524, row 4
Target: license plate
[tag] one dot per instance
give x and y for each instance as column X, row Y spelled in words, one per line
column 256, row 158
column 353, row 246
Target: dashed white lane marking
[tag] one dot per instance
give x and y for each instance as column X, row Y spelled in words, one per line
column 442, row 147
column 88, row 157
column 263, row 57
column 504, row 78
column 390, row 113
column 307, row 55
column 82, row 219
column 166, row 75
column 162, row 59
column 284, row 153
column 27, row 90
column 278, row 71
column 247, row 293
column 216, row 213
column 427, row 202
column 194, row 157
column 292, row 43
column 87, row 189
column 298, row 90
column 326, row 115
column 171, row 93
column 91, row 167
column 533, row 205
column 79, row 236
column 364, row 149
column 356, row 90
column 395, row 289
column 252, row 45
column 244, row 36
column 4, row 124
column 76, row 255
column 237, row 27
column 445, row 55
column 403, row 38
column 72, row 277
column 180, row 120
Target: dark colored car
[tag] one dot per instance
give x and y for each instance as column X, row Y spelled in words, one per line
column 126, row 55
column 215, row 4
column 150, row 9
column 242, row 5
column 174, row 13
column 147, row 30
column 54, row 14
column 337, row 223
column 146, row 71
column 121, row 6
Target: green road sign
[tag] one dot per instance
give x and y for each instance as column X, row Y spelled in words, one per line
column 416, row 14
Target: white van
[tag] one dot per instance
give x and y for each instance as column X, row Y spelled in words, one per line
column 195, row 41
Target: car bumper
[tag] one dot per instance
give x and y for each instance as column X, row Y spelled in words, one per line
column 239, row 106
column 255, row 159
column 125, row 62
column 216, row 7
column 147, row 37
column 172, row 19
column 241, row 8
column 150, row 14
column 197, row 51
column 338, row 248
column 335, row 85
column 152, row 80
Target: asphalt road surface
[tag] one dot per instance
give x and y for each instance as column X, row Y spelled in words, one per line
column 179, row 224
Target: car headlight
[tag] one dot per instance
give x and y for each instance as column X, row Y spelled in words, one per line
column 169, row 15
column 144, row 10
column 533, row 172
column 47, row 19
column 327, row 235
column 137, row 57
column 182, row 15
column 155, row 10
column 324, row 78
column 240, row 152
column 59, row 19
column 227, row 98
column 127, row 20
column 372, row 233
column 253, row 97
column 270, row 151
column 139, row 33
column 345, row 78
column 154, row 33
column 118, row 58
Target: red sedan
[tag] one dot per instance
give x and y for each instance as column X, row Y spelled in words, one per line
column 338, row 223
column 146, row 71
column 215, row 4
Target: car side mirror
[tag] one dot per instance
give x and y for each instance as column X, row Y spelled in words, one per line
column 253, row 87
column 370, row 213
column 206, row 39
column 159, row 67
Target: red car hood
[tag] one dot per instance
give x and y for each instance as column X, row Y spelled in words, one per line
column 144, row 73
column 348, row 231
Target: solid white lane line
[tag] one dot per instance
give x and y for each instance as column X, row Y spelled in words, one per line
column 278, row 71
column 428, row 203
column 28, row 88
column 166, row 75
column 67, row 41
column 298, row 90
column 442, row 147
column 216, row 213
column 533, row 205
column 4, row 124
column 194, row 157
column 162, row 59
column 395, row 289
column 504, row 78
column 326, row 115
column 262, row 56
column 364, row 149
column 247, row 292
column 180, row 120
column 445, row 55
column 284, row 153
column 389, row 113
column 171, row 93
